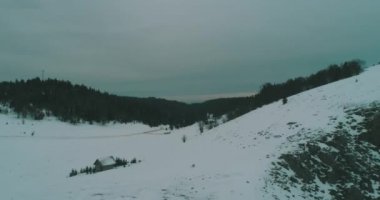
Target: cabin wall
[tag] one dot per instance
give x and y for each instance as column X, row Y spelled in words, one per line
column 99, row 167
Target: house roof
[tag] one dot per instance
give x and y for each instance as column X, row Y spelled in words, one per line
column 106, row 161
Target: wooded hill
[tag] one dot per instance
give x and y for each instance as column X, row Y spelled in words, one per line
column 73, row 103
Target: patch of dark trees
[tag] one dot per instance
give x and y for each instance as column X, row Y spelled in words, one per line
column 119, row 162
column 74, row 103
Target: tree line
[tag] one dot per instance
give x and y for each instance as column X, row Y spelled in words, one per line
column 272, row 92
column 75, row 103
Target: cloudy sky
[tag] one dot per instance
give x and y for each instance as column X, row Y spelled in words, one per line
column 183, row 49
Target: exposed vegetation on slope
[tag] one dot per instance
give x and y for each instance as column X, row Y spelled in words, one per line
column 344, row 164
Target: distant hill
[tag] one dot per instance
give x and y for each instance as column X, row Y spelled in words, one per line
column 73, row 103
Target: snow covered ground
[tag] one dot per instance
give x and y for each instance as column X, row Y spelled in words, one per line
column 231, row 161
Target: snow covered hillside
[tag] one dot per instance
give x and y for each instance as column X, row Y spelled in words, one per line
column 251, row 157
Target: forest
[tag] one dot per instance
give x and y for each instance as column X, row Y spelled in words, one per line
column 75, row 103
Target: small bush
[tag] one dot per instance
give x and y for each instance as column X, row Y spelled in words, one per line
column 120, row 162
column 73, row 173
column 201, row 127
column 284, row 100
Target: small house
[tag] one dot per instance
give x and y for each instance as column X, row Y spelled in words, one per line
column 105, row 163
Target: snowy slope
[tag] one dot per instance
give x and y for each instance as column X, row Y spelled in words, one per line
column 232, row 161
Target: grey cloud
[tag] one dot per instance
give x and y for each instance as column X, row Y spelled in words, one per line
column 182, row 47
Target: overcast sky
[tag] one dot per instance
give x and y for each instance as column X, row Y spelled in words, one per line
column 183, row 49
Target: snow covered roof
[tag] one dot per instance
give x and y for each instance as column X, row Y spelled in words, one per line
column 106, row 161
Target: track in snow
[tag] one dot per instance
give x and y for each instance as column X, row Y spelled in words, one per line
column 151, row 132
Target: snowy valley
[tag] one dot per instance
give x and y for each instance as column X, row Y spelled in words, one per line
column 278, row 151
